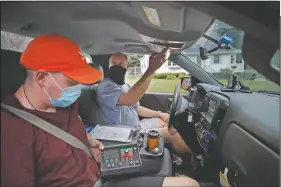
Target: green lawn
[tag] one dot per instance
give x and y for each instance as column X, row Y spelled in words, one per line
column 258, row 84
column 168, row 86
column 158, row 85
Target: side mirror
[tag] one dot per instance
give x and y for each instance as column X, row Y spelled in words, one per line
column 232, row 81
column 185, row 83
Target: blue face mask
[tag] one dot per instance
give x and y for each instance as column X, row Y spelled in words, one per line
column 68, row 96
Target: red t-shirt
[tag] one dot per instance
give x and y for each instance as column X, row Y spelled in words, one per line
column 33, row 157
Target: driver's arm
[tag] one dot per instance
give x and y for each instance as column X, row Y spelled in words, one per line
column 147, row 113
column 137, row 91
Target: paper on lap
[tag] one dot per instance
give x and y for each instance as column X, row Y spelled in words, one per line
column 111, row 133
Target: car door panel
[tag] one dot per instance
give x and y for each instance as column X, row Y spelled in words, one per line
column 157, row 101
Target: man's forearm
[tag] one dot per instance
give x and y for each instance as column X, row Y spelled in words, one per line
column 138, row 90
column 147, row 113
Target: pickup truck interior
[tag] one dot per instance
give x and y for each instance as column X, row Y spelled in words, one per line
column 231, row 126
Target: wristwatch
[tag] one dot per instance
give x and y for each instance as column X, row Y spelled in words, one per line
column 158, row 114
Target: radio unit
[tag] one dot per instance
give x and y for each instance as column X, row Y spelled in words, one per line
column 120, row 159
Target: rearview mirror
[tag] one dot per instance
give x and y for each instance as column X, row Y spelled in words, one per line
column 185, row 83
column 203, row 53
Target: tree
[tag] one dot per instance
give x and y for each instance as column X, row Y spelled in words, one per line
column 134, row 59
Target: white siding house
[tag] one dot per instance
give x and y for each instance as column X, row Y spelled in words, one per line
column 217, row 60
column 167, row 67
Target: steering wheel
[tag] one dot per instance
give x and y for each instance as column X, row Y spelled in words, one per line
column 175, row 106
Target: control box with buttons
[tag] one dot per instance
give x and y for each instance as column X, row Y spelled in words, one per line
column 120, row 160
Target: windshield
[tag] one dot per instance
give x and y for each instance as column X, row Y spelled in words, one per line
column 220, row 55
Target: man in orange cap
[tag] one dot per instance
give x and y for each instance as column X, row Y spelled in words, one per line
column 56, row 68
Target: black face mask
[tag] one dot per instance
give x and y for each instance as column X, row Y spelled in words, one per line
column 117, row 74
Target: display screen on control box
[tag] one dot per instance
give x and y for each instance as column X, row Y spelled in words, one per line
column 114, row 153
column 117, row 153
column 212, row 106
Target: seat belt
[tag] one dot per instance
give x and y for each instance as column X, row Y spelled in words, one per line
column 48, row 127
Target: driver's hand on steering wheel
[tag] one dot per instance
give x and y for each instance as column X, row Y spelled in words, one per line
column 164, row 116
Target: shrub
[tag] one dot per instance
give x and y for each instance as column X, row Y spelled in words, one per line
column 160, row 76
column 165, row 75
column 171, row 77
column 183, row 75
column 248, row 75
column 222, row 74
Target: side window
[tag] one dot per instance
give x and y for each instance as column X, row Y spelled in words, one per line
column 165, row 79
column 14, row 42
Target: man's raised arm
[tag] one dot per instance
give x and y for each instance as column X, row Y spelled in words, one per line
column 138, row 90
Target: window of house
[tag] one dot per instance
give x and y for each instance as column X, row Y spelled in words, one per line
column 232, row 58
column 239, row 58
column 171, row 64
column 198, row 60
column 216, row 59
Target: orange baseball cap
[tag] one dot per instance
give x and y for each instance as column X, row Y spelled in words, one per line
column 55, row 53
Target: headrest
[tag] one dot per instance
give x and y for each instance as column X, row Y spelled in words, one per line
column 13, row 74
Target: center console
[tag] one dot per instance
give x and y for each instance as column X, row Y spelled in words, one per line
column 211, row 115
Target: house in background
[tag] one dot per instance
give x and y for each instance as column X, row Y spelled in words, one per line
column 220, row 59
column 167, row 67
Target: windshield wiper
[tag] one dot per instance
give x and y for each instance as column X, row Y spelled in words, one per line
column 269, row 92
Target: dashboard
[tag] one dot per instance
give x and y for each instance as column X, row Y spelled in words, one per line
column 241, row 130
